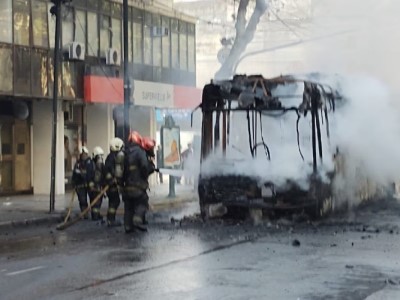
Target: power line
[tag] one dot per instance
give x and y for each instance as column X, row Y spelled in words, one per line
column 286, row 25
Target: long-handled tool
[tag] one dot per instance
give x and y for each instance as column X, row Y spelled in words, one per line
column 69, row 208
column 64, row 225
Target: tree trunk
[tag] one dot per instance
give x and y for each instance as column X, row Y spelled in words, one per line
column 244, row 35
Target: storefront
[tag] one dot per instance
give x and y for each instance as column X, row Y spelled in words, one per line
column 173, row 100
column 15, row 147
column 74, row 124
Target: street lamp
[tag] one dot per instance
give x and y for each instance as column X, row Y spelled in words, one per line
column 55, row 10
column 127, row 83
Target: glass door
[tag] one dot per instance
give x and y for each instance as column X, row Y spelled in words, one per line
column 6, row 157
column 15, row 156
column 22, row 157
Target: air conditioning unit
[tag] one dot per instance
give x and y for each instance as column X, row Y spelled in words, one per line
column 76, row 51
column 113, row 57
column 160, row 31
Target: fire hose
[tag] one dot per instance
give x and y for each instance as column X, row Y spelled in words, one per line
column 67, row 224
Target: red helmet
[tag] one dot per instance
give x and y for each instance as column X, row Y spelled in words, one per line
column 135, row 137
column 148, row 143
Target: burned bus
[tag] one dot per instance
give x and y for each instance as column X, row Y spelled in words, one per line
column 265, row 145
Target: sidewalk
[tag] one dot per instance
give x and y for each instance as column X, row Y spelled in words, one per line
column 24, row 210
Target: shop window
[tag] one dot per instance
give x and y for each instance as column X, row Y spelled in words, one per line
column 93, row 37
column 137, row 43
column 130, row 43
column 156, row 42
column 39, row 73
column 105, row 34
column 20, row 149
column 174, row 44
column 6, row 21
column 21, row 22
column 116, row 10
column 157, row 74
column 137, row 15
column 51, row 77
column 175, row 50
column 191, row 53
column 147, row 39
column 105, row 6
column 166, row 44
column 69, row 80
column 80, row 26
column 67, row 25
column 183, row 58
column 116, row 33
column 22, row 71
column 79, row 73
column 80, row 3
column 39, row 19
column 157, row 52
column 92, row 4
column 6, row 70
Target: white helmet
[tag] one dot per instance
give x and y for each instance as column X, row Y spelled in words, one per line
column 116, row 144
column 98, row 151
column 84, row 150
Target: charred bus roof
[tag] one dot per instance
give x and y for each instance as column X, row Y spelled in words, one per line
column 255, row 94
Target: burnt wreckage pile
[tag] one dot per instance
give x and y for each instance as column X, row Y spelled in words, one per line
column 253, row 96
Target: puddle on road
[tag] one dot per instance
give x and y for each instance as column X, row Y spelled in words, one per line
column 36, row 242
column 359, row 282
column 134, row 255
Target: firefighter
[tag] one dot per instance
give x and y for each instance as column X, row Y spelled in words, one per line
column 96, row 181
column 80, row 177
column 137, row 169
column 114, row 171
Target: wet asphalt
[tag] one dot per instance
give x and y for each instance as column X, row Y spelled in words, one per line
column 354, row 255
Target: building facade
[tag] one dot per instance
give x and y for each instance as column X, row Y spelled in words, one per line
column 161, row 51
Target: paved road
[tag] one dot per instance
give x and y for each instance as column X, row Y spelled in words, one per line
column 352, row 257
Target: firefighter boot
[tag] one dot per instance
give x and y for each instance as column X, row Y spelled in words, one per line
column 83, row 207
column 128, row 217
column 111, row 222
column 96, row 215
column 138, row 223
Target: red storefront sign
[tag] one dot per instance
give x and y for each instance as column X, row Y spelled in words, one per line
column 187, row 97
column 100, row 89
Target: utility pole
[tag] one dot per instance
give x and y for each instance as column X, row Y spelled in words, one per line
column 127, row 83
column 55, row 10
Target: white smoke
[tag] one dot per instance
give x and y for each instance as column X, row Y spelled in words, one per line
column 366, row 129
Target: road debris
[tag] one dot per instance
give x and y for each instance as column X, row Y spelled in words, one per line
column 296, row 243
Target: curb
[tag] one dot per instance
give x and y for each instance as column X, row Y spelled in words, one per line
column 60, row 215
column 33, row 221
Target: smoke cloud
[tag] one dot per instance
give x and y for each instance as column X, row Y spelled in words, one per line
column 366, row 128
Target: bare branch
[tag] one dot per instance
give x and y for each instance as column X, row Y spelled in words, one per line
column 241, row 18
column 259, row 10
column 241, row 42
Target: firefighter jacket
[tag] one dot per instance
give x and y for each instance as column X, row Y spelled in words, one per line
column 137, row 169
column 80, row 173
column 114, row 168
column 96, row 174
